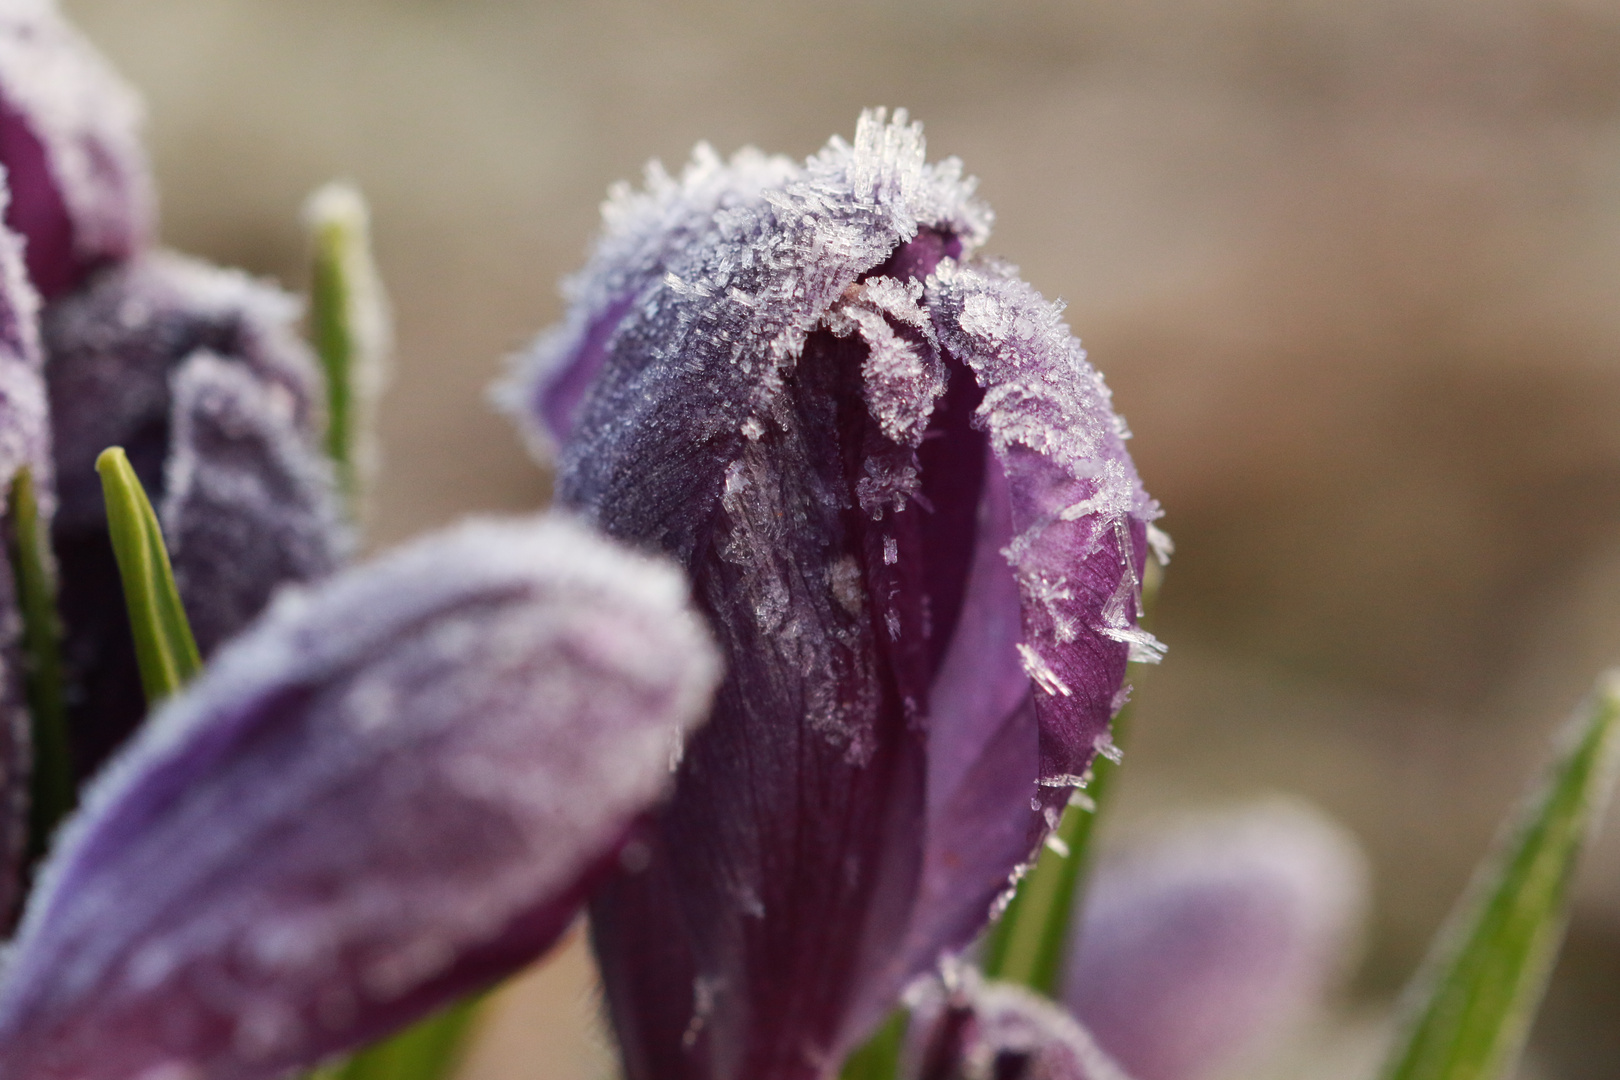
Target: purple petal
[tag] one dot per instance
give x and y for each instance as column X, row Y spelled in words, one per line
column 1200, row 949
column 390, row 792
column 250, row 504
column 771, row 405
column 996, row 1031
column 24, row 441
column 1079, row 512
column 114, row 350
column 644, row 232
column 768, row 442
column 70, row 143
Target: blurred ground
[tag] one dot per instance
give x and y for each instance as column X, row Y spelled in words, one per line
column 1351, row 271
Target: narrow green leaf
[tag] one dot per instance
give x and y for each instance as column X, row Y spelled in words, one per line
column 34, row 567
column 350, row 324
column 879, row 1058
column 1029, row 944
column 164, row 647
column 1470, row 1007
column 431, row 1050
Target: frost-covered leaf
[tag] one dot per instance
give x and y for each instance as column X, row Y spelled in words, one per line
column 81, row 191
column 391, row 792
column 1469, row 1010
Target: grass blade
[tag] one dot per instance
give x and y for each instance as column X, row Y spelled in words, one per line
column 1469, row 1010
column 350, row 324
column 34, row 567
column 879, row 1057
column 431, row 1050
column 164, row 647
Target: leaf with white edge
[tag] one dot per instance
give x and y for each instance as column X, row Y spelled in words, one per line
column 1469, row 1009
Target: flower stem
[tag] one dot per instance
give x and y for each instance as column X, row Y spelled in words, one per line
column 52, row 794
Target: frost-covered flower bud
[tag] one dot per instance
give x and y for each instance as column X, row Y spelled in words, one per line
column 24, row 443
column 975, row 1030
column 907, row 509
column 392, row 791
column 81, row 193
column 200, row 375
column 1203, row 948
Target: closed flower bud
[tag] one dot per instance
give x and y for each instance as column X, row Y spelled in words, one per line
column 200, row 375
column 907, row 509
column 390, row 793
column 81, row 193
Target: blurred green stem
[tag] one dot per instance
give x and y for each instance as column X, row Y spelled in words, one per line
column 34, row 568
column 350, row 324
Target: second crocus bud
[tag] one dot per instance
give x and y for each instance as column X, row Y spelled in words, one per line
column 391, row 792
column 81, row 191
column 201, row 376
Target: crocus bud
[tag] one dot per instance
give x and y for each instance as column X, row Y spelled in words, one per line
column 907, row 509
column 392, row 791
column 81, row 193
column 1201, row 949
column 200, row 375
column 973, row 1030
column 24, row 443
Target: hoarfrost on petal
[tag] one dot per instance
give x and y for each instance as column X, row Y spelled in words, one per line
column 270, row 873
column 81, row 189
column 969, row 1029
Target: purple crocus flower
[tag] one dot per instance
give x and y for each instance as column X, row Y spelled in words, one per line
column 391, row 791
column 908, row 512
column 81, row 193
column 1200, row 948
column 251, row 501
column 200, row 375
column 1198, row 951
column 973, row 1030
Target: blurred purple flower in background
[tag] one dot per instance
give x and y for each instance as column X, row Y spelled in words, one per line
column 1200, row 950
column 1200, row 947
column 389, row 793
column 131, row 335
column 798, row 382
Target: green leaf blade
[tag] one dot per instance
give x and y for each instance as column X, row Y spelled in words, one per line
column 429, row 1050
column 350, row 325
column 879, row 1057
column 52, row 794
column 1470, row 1008
column 165, row 649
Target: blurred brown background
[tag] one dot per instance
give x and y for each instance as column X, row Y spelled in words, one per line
column 1351, row 270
